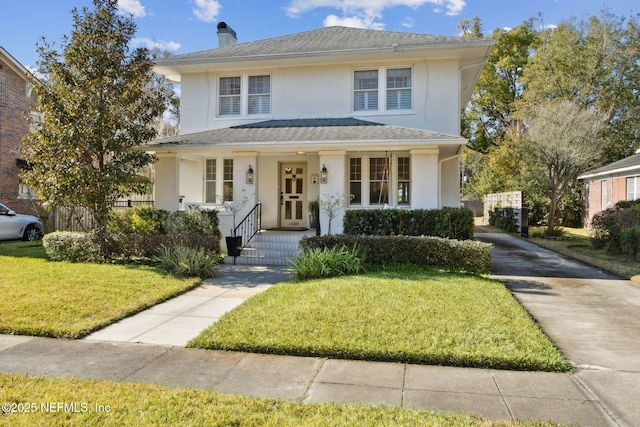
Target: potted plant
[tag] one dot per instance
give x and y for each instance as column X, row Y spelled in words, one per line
column 314, row 215
column 232, row 207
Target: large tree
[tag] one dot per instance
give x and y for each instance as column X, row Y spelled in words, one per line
column 96, row 104
column 563, row 140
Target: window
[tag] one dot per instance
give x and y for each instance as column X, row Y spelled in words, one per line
column 378, row 180
column 633, row 188
column 210, row 181
column 230, row 96
column 227, row 179
column 213, row 187
column 404, row 178
column 604, row 196
column 259, row 95
column 399, row 89
column 365, row 95
column 355, row 180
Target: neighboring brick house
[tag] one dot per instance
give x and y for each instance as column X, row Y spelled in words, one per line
column 610, row 184
column 16, row 97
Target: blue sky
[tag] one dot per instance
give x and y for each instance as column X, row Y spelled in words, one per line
column 183, row 26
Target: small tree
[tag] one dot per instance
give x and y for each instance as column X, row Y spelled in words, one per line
column 562, row 142
column 332, row 206
column 97, row 103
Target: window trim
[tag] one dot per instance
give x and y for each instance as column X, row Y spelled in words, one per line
column 244, row 96
column 383, row 91
column 220, row 180
column 365, row 180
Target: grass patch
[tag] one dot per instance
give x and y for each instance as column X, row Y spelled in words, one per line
column 400, row 315
column 66, row 300
column 579, row 247
column 152, row 405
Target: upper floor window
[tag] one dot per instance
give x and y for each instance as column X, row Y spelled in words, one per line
column 230, row 90
column 259, row 94
column 365, row 95
column 399, row 89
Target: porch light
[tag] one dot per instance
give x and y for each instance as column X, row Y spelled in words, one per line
column 250, row 175
column 323, row 174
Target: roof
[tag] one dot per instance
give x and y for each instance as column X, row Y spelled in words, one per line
column 631, row 163
column 334, row 132
column 329, row 39
column 13, row 63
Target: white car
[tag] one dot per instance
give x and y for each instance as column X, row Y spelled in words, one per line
column 16, row 226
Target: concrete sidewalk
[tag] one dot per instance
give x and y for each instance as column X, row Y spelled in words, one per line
column 180, row 319
column 493, row 394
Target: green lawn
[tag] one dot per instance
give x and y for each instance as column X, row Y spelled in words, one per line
column 402, row 315
column 59, row 299
column 109, row 403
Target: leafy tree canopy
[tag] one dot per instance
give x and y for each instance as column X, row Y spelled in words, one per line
column 97, row 103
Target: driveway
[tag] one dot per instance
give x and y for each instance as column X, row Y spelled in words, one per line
column 591, row 315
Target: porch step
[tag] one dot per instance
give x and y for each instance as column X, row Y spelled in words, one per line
column 270, row 248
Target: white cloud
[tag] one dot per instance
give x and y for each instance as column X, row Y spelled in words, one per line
column 133, row 7
column 368, row 13
column 155, row 44
column 407, row 22
column 207, row 10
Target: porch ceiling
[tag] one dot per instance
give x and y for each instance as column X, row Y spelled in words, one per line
column 346, row 133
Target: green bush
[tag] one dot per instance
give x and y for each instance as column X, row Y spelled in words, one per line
column 183, row 261
column 466, row 255
column 452, row 223
column 194, row 221
column 317, row 263
column 608, row 225
column 143, row 220
column 73, row 247
column 630, row 241
column 504, row 218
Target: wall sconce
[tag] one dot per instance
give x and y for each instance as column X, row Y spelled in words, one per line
column 323, row 175
column 250, row 175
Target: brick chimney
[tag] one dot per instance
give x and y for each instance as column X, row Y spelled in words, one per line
column 226, row 35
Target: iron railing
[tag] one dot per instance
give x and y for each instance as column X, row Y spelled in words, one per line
column 250, row 225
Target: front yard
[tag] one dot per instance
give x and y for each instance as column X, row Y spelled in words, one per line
column 400, row 315
column 67, row 300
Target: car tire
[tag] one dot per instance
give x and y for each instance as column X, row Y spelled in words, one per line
column 31, row 233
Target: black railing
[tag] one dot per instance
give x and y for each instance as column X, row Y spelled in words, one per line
column 250, row 225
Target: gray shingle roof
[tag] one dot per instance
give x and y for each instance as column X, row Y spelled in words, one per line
column 321, row 131
column 330, row 39
column 627, row 162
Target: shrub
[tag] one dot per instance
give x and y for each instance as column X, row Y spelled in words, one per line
column 630, row 241
column 468, row 255
column 73, row 247
column 504, row 218
column 317, row 263
column 194, row 221
column 608, row 225
column 183, row 261
column 143, row 220
column 452, row 223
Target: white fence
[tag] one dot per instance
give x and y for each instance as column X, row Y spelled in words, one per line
column 511, row 199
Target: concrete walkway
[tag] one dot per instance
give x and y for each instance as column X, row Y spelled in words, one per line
column 592, row 316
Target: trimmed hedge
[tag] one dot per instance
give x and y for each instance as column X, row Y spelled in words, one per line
column 149, row 221
column 451, row 223
column 87, row 247
column 504, row 218
column 471, row 256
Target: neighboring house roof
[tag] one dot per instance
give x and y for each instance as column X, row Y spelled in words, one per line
column 13, row 63
column 628, row 165
column 332, row 133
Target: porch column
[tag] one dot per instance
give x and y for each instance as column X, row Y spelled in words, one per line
column 241, row 189
column 167, row 182
column 425, row 182
column 335, row 187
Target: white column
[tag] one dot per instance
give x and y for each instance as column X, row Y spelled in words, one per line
column 167, row 183
column 335, row 188
column 425, row 182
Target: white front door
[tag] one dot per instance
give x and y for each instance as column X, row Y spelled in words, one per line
column 293, row 195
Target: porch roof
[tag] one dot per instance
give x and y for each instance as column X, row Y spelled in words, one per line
column 320, row 133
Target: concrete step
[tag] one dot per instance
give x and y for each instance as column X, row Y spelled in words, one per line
column 269, row 248
column 247, row 260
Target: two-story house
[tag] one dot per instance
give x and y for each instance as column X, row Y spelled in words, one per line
column 16, row 98
column 371, row 117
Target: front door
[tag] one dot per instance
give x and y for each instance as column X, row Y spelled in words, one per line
column 293, row 195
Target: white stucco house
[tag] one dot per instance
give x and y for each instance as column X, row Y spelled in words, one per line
column 372, row 116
